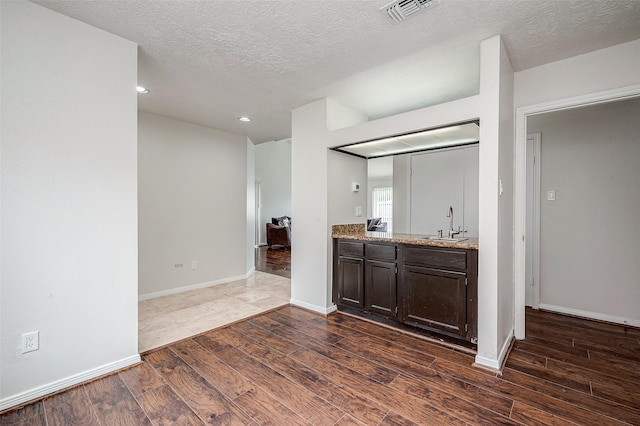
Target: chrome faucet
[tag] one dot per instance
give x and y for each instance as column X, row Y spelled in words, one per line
column 453, row 232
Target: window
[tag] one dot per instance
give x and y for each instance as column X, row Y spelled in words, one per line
column 382, row 205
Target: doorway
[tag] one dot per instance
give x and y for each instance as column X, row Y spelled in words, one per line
column 520, row 200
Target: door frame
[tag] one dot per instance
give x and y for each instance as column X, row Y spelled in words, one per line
column 533, row 216
column 258, row 212
column 520, row 187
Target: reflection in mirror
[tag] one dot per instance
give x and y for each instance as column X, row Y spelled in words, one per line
column 380, row 195
column 412, row 193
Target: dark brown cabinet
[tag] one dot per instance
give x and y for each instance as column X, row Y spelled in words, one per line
column 365, row 277
column 430, row 288
column 351, row 282
column 439, row 287
column 435, row 299
column 381, row 271
column 349, row 274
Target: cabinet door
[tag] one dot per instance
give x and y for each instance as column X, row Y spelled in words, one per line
column 435, row 299
column 351, row 282
column 380, row 287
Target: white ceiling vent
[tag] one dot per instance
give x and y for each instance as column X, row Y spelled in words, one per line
column 400, row 10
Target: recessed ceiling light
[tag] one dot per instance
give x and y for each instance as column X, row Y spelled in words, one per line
column 244, row 119
column 142, row 90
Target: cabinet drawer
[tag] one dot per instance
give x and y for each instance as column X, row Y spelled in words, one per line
column 435, row 257
column 350, row 248
column 381, row 252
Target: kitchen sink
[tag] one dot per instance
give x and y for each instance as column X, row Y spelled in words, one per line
column 445, row 239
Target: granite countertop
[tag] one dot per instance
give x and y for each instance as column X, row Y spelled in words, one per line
column 357, row 232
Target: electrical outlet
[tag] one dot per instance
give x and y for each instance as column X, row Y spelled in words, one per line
column 30, row 342
column 194, row 264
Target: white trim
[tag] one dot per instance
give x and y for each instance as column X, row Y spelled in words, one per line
column 496, row 364
column 520, row 187
column 178, row 290
column 591, row 315
column 67, row 382
column 331, row 309
column 309, row 306
column 487, row 362
column 535, row 244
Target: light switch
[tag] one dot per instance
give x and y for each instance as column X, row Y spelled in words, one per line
column 551, row 195
column 358, row 211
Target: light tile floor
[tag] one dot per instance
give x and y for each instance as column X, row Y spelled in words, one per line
column 167, row 319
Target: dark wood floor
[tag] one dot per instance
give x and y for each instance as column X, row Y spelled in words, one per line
column 276, row 260
column 293, row 367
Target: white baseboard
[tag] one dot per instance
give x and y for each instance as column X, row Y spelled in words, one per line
column 315, row 308
column 178, row 290
column 496, row 364
column 67, row 382
column 591, row 315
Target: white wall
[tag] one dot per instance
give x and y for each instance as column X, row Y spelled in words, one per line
column 192, row 205
column 495, row 254
column 273, row 171
column 596, row 71
column 343, row 170
column 68, row 216
column 309, row 207
column 588, row 248
column 506, row 123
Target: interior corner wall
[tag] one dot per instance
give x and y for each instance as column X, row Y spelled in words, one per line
column 273, row 172
column 588, row 251
column 251, row 207
column 342, row 171
column 68, row 202
column 192, row 205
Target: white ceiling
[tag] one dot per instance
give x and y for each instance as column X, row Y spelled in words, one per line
column 208, row 62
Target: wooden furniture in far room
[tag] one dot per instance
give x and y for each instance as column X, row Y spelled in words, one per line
column 279, row 232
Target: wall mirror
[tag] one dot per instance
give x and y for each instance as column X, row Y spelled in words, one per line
column 414, row 179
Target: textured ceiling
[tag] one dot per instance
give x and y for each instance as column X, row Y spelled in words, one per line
column 208, row 62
